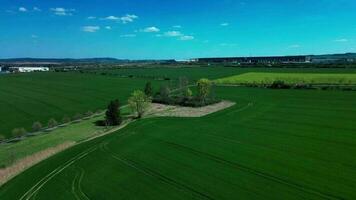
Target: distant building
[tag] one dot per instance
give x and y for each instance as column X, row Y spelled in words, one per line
column 256, row 60
column 29, row 69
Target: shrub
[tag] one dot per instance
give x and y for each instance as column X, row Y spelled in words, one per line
column 66, row 120
column 37, row 126
column 52, row 123
column 204, row 87
column 279, row 85
column 89, row 113
column 19, row 132
column 2, row 138
column 77, row 116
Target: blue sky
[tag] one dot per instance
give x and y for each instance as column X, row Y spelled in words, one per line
column 181, row 29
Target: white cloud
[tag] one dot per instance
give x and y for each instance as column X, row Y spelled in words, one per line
column 177, row 26
column 151, row 30
column 173, row 34
column 36, row 9
column 91, row 17
column 128, row 35
column 108, row 27
column 294, row 46
column 128, row 18
column 62, row 11
column 341, row 40
column 224, row 24
column 186, row 37
column 124, row 19
column 228, row 44
column 22, row 9
column 34, row 36
column 114, row 18
column 91, row 29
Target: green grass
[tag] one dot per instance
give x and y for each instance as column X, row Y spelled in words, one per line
column 26, row 98
column 290, row 78
column 213, row 72
column 288, row 144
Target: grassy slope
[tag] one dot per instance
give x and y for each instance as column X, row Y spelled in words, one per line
column 291, row 78
column 26, row 98
column 288, row 145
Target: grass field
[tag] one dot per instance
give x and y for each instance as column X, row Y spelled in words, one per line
column 214, row 72
column 291, row 78
column 274, row 144
column 26, row 98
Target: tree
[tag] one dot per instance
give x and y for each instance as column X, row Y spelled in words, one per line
column 184, row 90
column 52, row 123
column 164, row 93
column 204, row 86
column 112, row 114
column 37, row 126
column 148, row 89
column 139, row 102
column 19, row 132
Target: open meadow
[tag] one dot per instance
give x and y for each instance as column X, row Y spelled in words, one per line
column 273, row 144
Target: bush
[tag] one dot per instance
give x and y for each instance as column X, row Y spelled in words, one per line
column 37, row 126
column 19, row 132
column 66, row 120
column 279, row 85
column 89, row 113
column 77, row 116
column 148, row 89
column 2, row 138
column 52, row 123
column 112, row 114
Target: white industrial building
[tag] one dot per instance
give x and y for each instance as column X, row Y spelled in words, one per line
column 29, row 69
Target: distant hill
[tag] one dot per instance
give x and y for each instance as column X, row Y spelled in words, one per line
column 63, row 60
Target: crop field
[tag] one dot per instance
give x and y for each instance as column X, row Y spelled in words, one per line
column 26, row 98
column 213, row 72
column 273, row 144
column 290, row 78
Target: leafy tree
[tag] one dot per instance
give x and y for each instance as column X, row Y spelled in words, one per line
column 148, row 89
column 37, row 126
column 52, row 123
column 112, row 114
column 139, row 102
column 66, row 120
column 19, row 132
column 204, row 86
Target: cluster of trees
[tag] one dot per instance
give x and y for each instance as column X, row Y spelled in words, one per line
column 183, row 95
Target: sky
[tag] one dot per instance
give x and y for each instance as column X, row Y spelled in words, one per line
column 175, row 29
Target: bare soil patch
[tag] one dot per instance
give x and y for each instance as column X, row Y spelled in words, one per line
column 161, row 110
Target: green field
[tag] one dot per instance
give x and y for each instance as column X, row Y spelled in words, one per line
column 274, row 144
column 291, row 78
column 26, row 98
column 213, row 72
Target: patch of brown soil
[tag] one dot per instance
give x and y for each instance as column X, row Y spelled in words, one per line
column 161, row 110
column 24, row 163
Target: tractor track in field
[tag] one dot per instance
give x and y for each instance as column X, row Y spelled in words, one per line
column 76, row 186
column 254, row 171
column 151, row 173
column 32, row 192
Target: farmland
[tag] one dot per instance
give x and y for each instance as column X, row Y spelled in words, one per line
column 291, row 78
column 26, row 98
column 273, row 144
column 213, row 72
